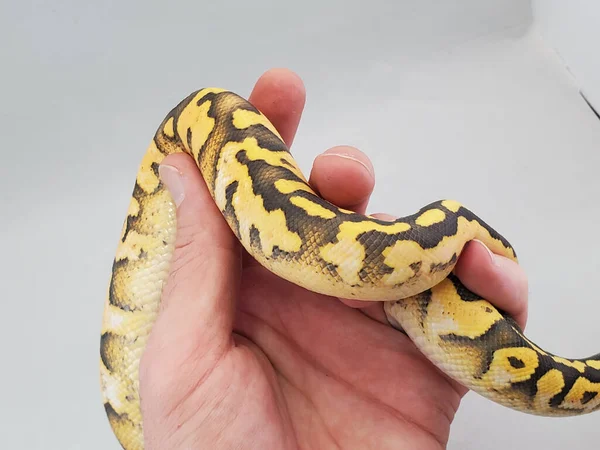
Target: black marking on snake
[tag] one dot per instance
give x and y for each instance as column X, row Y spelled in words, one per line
column 423, row 299
column 264, row 176
column 229, row 211
column 111, row 413
column 265, row 137
column 108, row 341
column 569, row 382
column 255, row 239
column 371, row 272
column 442, row 267
column 317, row 232
column 285, row 162
column 281, row 254
column 416, row 266
column 113, row 298
column 159, row 144
column 427, row 237
column 430, row 236
column 188, row 138
column 516, row 363
column 332, row 269
column 208, row 97
column 373, row 264
column 154, row 167
column 132, row 220
column 115, row 418
column 465, row 294
column 174, row 113
column 112, row 293
column 129, row 223
column 588, row 396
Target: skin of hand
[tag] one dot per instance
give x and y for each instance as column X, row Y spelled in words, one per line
column 241, row 359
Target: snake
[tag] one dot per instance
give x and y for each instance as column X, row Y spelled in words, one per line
column 407, row 264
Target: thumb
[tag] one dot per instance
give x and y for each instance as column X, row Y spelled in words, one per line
column 195, row 319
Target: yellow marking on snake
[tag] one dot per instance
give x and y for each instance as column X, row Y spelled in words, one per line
column 535, row 347
column 255, row 153
column 169, row 129
column 311, row 208
column 242, row 119
column 580, row 366
column 593, row 364
column 146, row 179
column 271, row 225
column 452, row 205
column 198, row 123
column 431, row 217
column 548, row 386
column 407, row 264
column 289, row 186
column 447, row 315
column 347, row 253
column 503, row 373
column 132, row 211
column 583, row 393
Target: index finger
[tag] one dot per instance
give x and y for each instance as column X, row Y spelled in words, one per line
column 280, row 95
column 497, row 279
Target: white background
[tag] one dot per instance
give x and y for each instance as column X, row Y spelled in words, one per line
column 466, row 100
column 571, row 28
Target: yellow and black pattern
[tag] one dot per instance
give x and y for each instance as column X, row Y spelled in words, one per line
column 297, row 235
column 483, row 348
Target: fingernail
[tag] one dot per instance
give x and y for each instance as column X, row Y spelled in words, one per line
column 350, row 158
column 171, row 177
column 492, row 256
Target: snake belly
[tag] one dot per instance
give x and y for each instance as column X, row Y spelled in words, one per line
column 291, row 231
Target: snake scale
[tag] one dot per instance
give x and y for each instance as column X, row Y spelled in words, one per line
column 291, row 231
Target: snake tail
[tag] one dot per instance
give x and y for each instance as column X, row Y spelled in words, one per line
column 485, row 350
column 291, row 231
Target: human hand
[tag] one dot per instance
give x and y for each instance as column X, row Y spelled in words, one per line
column 239, row 358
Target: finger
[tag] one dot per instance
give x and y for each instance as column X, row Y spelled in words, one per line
column 280, row 95
column 344, row 176
column 197, row 303
column 497, row 279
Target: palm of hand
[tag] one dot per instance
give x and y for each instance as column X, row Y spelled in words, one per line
column 307, row 372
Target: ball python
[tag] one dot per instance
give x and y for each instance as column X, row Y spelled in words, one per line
column 406, row 264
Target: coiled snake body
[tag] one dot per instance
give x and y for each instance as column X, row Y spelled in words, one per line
column 291, row 231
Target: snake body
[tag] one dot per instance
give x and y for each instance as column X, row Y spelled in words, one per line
column 291, row 231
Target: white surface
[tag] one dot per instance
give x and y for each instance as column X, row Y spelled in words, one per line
column 453, row 99
column 572, row 29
